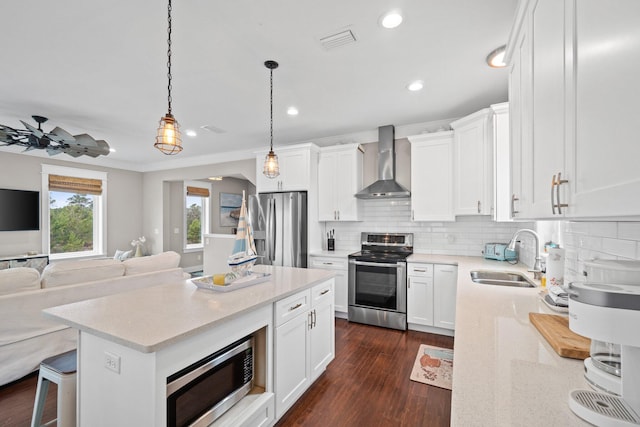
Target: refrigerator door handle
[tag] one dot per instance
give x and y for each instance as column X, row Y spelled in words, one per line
column 293, row 206
column 272, row 231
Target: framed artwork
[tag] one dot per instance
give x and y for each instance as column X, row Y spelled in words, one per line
column 230, row 204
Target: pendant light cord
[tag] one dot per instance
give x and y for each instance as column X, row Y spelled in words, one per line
column 169, row 55
column 271, row 104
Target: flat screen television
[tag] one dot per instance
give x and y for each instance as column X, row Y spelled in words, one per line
column 19, row 210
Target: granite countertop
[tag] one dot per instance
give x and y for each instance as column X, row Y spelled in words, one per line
column 505, row 373
column 149, row 319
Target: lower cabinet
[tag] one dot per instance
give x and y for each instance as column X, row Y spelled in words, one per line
column 431, row 296
column 304, row 342
column 339, row 265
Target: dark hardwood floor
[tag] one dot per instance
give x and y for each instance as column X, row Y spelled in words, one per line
column 367, row 384
column 16, row 402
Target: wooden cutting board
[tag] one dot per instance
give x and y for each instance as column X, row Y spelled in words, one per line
column 555, row 329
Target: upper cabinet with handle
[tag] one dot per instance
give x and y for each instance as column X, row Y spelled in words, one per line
column 573, row 98
column 432, row 177
column 473, row 164
column 298, row 167
column 339, row 179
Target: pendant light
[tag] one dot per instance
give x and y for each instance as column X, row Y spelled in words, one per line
column 271, row 168
column 168, row 139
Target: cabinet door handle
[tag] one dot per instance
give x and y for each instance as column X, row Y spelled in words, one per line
column 310, row 320
column 419, row 270
column 446, row 271
column 559, row 182
column 478, row 206
column 412, row 215
column 338, row 215
column 315, row 318
column 553, row 205
column 514, row 199
column 409, row 283
column 324, row 292
column 327, row 263
column 295, row 307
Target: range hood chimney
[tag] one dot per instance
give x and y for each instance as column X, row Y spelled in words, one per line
column 386, row 186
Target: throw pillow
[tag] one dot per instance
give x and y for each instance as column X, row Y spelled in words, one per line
column 122, row 255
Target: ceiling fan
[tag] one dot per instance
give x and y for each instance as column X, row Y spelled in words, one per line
column 55, row 142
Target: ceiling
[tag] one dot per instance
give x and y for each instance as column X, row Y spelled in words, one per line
column 100, row 68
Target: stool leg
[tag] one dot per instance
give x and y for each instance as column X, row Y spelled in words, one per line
column 67, row 401
column 38, row 405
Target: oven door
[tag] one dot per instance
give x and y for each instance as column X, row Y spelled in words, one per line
column 378, row 285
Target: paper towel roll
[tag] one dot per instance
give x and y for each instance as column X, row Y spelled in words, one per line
column 555, row 267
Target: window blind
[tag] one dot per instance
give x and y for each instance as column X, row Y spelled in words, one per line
column 75, row 185
column 197, row 191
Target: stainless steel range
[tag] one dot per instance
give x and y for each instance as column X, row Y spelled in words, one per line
column 378, row 280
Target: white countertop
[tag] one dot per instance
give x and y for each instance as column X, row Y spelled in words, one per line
column 152, row 318
column 504, row 372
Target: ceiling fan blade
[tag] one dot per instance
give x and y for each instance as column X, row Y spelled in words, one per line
column 84, row 140
column 53, row 151
column 72, row 151
column 103, row 147
column 61, row 135
column 36, row 132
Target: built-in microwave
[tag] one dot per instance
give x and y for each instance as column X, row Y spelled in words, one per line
column 200, row 393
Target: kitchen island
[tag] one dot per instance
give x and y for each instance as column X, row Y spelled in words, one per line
column 505, row 373
column 130, row 343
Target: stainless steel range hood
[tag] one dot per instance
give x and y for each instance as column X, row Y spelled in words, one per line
column 386, row 186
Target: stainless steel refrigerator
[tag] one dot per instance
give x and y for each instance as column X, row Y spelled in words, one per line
column 279, row 222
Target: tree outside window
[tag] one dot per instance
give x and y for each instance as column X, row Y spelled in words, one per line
column 71, row 225
column 194, row 220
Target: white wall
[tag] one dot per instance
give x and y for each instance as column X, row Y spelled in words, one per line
column 124, row 202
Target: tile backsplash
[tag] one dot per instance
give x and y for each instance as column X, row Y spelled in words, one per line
column 466, row 236
column 584, row 241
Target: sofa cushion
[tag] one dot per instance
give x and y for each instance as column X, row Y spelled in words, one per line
column 151, row 263
column 70, row 272
column 18, row 279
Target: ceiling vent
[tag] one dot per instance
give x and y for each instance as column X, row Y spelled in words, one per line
column 212, row 128
column 339, row 39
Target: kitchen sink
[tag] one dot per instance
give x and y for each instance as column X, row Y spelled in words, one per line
column 502, row 278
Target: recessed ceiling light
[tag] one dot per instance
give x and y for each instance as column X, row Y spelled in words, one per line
column 190, row 132
column 496, row 58
column 215, row 178
column 292, row 111
column 415, row 86
column 391, row 19
column 112, row 150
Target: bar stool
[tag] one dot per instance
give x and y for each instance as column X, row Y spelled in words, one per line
column 60, row 369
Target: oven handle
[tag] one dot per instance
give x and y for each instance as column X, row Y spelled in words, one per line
column 376, row 264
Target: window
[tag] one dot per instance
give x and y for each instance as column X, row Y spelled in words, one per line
column 196, row 214
column 74, row 212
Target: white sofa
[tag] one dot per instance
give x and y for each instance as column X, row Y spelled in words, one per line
column 27, row 336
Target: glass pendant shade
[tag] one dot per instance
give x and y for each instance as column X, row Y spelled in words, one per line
column 271, row 168
column 168, row 139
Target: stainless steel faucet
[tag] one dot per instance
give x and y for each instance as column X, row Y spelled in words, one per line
column 537, row 269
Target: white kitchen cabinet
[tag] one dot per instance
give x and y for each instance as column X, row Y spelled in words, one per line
column 304, row 342
column 473, row 164
column 502, row 194
column 432, row 177
column 322, row 329
column 445, row 279
column 339, row 179
column 298, row 164
column 420, row 294
column 339, row 265
column 431, row 297
column 576, row 158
